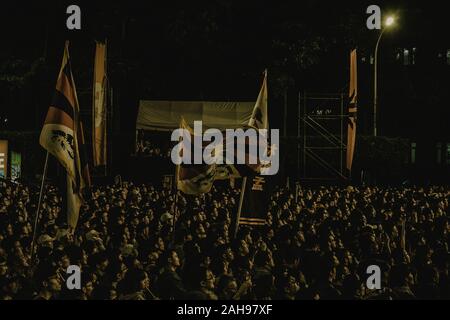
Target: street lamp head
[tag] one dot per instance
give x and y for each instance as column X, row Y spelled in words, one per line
column 390, row 21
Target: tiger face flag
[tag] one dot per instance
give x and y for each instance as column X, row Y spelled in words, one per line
column 352, row 109
column 198, row 178
column 62, row 136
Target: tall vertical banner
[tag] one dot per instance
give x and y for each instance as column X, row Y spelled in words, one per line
column 254, row 193
column 99, row 106
column 352, row 109
column 3, row 159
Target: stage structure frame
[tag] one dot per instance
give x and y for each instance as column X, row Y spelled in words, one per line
column 321, row 138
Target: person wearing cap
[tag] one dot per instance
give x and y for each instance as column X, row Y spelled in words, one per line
column 166, row 218
column 46, row 241
column 94, row 236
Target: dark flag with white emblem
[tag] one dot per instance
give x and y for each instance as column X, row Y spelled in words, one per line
column 62, row 136
column 254, row 193
column 255, row 201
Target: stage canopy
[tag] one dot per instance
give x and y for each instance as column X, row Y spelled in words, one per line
column 165, row 115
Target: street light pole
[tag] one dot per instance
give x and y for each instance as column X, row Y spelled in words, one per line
column 375, row 94
column 389, row 22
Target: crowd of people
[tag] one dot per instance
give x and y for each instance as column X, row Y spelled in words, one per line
column 133, row 242
column 154, row 146
column 145, row 148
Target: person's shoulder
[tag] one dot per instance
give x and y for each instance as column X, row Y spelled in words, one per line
column 403, row 293
column 382, row 294
column 196, row 295
column 133, row 296
column 169, row 274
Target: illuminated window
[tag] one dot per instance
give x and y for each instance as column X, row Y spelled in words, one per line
column 399, row 54
column 413, row 152
column 406, row 57
column 448, row 57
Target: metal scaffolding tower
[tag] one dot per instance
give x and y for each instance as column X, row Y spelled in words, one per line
column 321, row 142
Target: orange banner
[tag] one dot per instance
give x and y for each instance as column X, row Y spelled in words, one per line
column 352, row 109
column 99, row 106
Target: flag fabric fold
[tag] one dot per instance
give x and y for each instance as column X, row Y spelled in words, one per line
column 199, row 178
column 193, row 178
column 259, row 118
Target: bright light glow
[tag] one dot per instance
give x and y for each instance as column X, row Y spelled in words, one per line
column 390, row 21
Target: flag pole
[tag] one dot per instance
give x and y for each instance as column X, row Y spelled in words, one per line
column 241, row 200
column 175, row 187
column 175, row 207
column 175, row 211
column 36, row 220
column 108, row 99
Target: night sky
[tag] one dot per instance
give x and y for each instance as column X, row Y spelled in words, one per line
column 217, row 50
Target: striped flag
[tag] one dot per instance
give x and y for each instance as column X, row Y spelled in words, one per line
column 62, row 136
column 352, row 109
column 99, row 106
